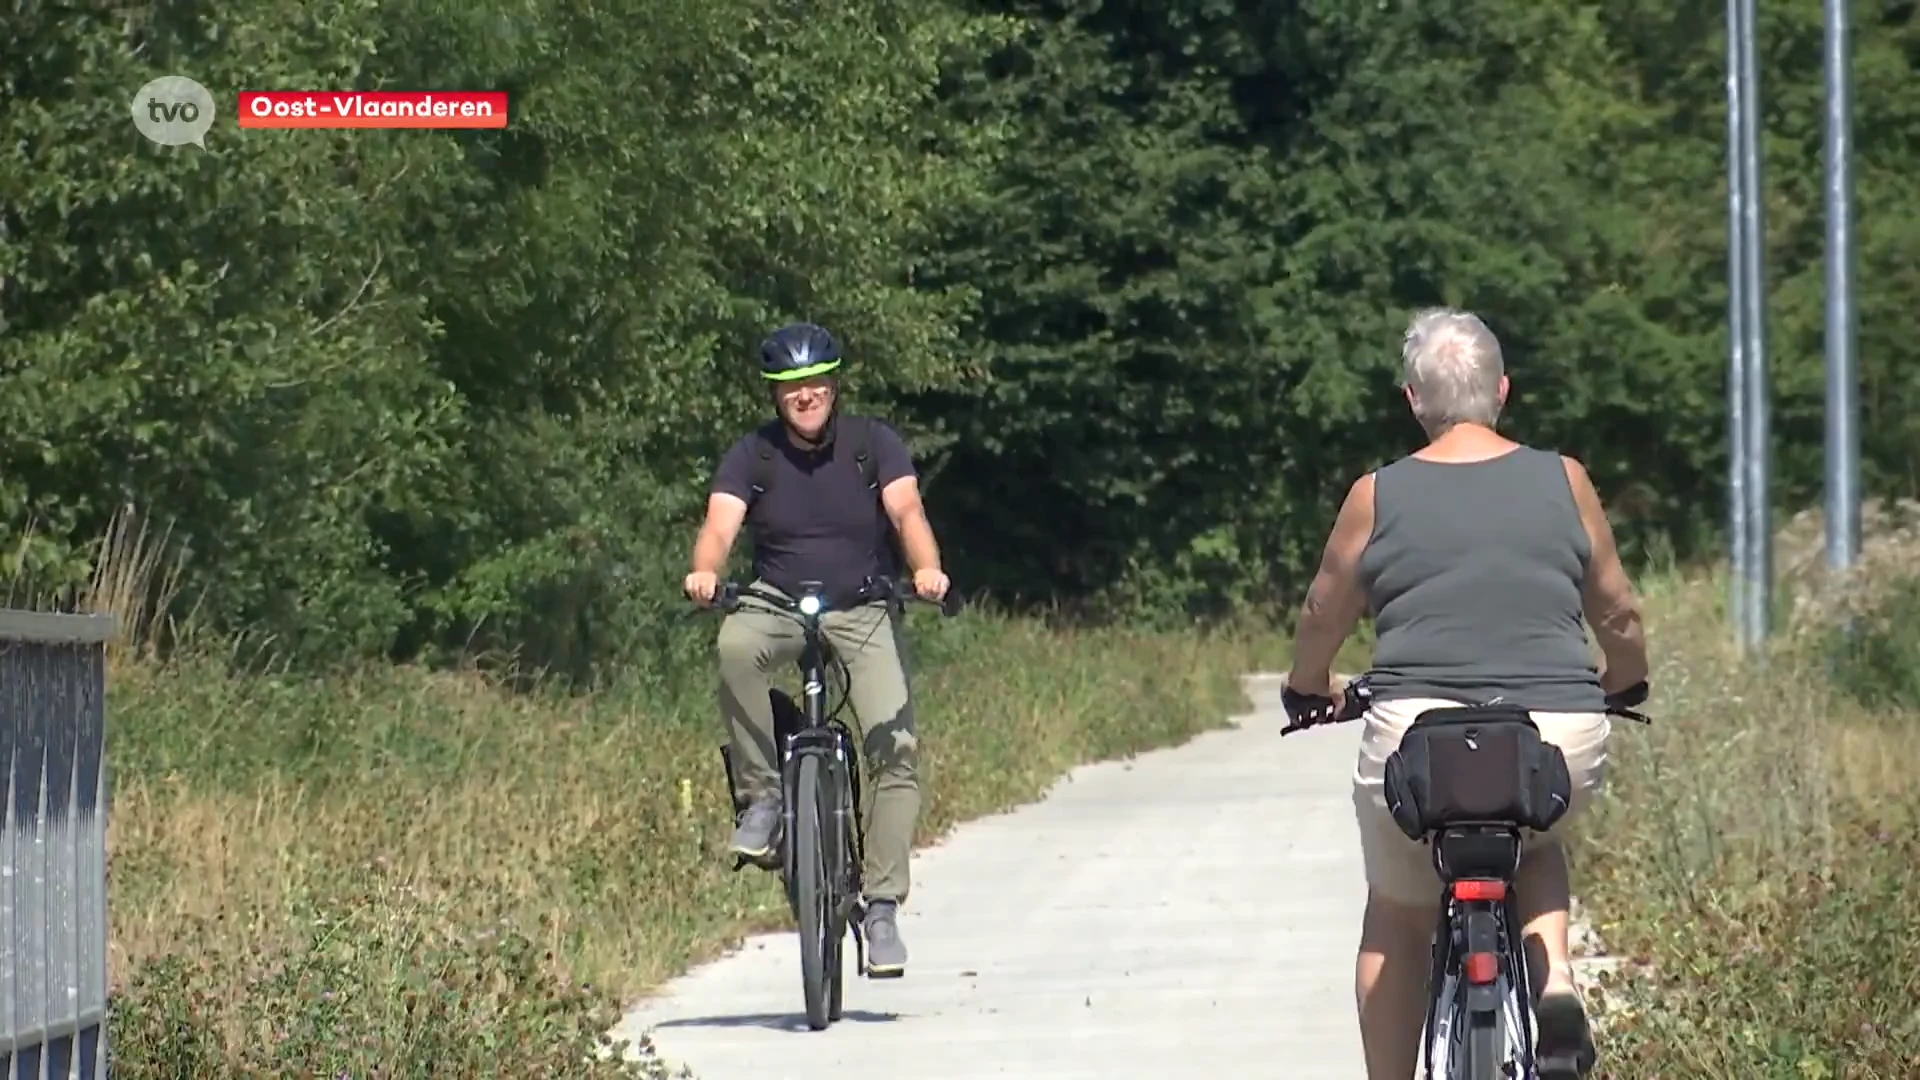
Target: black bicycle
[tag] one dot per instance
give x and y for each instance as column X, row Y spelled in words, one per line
column 1481, row 1019
column 822, row 842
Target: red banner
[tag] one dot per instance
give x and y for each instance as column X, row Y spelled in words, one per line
column 372, row 109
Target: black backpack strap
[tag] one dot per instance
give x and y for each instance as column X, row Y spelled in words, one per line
column 762, row 466
column 860, row 434
column 858, row 431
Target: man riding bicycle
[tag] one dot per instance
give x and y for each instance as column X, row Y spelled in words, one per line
column 825, row 494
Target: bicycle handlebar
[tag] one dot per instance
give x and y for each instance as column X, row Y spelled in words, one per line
column 886, row 588
column 1313, row 710
column 728, row 596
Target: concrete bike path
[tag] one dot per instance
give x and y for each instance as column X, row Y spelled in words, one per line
column 1191, row 912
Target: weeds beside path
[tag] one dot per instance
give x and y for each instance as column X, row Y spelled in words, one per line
column 401, row 873
column 1758, row 857
column 406, row 874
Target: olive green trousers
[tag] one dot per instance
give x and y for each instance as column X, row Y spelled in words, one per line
column 757, row 646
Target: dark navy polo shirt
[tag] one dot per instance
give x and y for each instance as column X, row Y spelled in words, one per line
column 817, row 521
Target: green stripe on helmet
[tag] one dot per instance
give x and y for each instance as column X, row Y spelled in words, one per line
column 807, row 372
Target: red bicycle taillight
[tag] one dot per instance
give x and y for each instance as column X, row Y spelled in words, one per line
column 1480, row 889
column 1482, row 968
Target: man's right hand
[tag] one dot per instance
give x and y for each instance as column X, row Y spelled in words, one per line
column 700, row 586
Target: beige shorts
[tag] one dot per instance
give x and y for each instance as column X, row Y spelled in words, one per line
column 1400, row 869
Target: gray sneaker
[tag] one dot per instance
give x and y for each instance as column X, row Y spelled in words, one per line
column 758, row 824
column 886, row 953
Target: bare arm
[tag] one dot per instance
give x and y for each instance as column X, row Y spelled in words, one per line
column 1607, row 595
column 1335, row 600
column 717, row 532
column 902, row 502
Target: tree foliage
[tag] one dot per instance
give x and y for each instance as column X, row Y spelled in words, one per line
column 1130, row 275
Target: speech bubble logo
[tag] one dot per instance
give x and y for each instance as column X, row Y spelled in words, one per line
column 173, row 111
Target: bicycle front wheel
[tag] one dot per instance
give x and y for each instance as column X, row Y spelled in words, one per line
column 813, row 889
column 839, row 854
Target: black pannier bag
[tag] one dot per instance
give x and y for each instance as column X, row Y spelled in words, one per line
column 1478, row 763
column 787, row 721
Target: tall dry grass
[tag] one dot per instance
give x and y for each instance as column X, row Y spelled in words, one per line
column 402, row 872
column 1760, row 849
column 133, row 575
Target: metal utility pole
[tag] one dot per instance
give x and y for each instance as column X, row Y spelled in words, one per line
column 1843, row 405
column 1736, row 337
column 1759, row 589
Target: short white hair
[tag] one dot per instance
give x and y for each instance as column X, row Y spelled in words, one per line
column 1453, row 366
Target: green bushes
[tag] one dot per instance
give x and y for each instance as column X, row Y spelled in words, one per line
column 1877, row 661
column 1129, row 277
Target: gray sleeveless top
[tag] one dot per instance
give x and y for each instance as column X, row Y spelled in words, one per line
column 1473, row 574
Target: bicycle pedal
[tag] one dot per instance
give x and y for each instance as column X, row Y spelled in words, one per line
column 764, row 862
column 1559, row 1068
column 1569, row 1066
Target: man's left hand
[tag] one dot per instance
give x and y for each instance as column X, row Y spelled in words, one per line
column 931, row 584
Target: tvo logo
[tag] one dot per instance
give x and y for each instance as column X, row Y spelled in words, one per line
column 173, row 111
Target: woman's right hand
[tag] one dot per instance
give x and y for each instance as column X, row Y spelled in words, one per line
column 1626, row 697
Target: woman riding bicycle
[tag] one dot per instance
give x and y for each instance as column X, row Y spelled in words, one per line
column 1478, row 558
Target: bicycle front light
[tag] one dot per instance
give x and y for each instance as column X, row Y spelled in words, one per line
column 809, row 605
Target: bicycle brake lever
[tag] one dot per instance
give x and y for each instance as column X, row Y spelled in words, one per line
column 1621, row 702
column 697, row 609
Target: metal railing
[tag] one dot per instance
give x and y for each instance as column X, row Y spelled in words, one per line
column 53, row 851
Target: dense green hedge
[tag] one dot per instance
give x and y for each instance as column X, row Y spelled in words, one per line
column 1130, row 275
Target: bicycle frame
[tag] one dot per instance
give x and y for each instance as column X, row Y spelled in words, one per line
column 841, row 841
column 824, row 734
column 816, row 730
column 1479, row 964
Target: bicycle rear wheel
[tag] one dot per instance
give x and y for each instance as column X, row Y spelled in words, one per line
column 813, row 889
column 1441, row 1048
column 1486, row 1046
column 1463, row 1044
